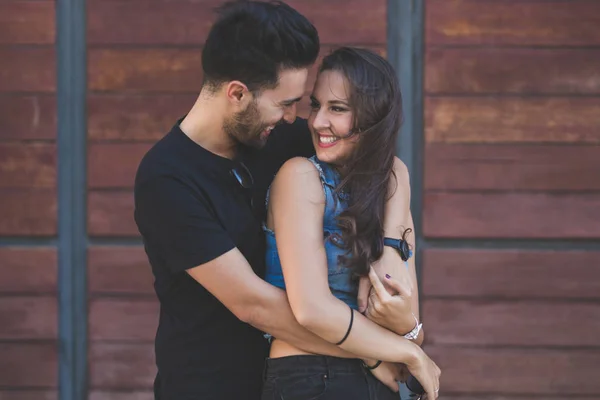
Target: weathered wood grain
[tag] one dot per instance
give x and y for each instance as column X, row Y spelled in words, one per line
column 511, row 71
column 512, row 167
column 511, row 274
column 512, row 120
column 521, row 23
column 511, row 215
column 119, row 270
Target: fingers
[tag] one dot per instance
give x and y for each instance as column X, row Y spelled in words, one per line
column 378, row 286
column 364, row 287
column 398, row 287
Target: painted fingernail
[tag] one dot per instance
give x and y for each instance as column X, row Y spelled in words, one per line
column 387, row 276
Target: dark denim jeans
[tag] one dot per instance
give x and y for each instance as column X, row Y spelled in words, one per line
column 309, row 377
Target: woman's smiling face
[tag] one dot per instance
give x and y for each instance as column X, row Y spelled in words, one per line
column 331, row 118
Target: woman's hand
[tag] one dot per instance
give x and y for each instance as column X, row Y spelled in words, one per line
column 388, row 374
column 427, row 373
column 392, row 311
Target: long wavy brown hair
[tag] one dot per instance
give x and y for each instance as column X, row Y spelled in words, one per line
column 376, row 102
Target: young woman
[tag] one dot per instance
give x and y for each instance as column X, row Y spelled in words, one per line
column 325, row 228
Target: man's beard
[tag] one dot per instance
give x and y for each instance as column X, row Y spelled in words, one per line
column 246, row 127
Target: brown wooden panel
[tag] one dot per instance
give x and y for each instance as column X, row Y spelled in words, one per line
column 27, row 22
column 28, row 270
column 510, row 119
column 101, row 395
column 517, row 371
column 123, row 319
column 574, row 22
column 119, row 270
column 27, row 116
column 27, row 212
column 511, row 215
column 28, row 395
column 112, row 165
column 512, row 70
column 521, row 323
column 135, row 117
column 511, row 273
column 25, row 165
column 363, row 22
column 176, row 70
column 28, row 364
column 169, row 70
column 512, row 167
column 111, row 214
column 122, row 366
column 30, row 69
column 28, row 318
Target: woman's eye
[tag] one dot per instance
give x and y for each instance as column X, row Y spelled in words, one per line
column 314, row 105
column 338, row 109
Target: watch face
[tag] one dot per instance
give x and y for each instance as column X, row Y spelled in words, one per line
column 404, row 250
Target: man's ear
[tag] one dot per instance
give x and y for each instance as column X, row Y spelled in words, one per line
column 238, row 94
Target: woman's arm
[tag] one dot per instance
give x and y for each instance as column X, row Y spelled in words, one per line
column 297, row 206
column 398, row 316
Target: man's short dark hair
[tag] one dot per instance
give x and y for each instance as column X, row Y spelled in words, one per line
column 252, row 41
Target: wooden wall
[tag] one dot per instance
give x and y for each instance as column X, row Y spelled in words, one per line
column 28, row 212
column 511, row 279
column 143, row 74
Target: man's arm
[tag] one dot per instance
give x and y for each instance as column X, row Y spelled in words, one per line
column 192, row 240
column 231, row 280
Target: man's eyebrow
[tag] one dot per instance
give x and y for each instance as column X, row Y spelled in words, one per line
column 297, row 99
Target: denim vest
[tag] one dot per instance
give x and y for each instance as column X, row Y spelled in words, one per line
column 340, row 278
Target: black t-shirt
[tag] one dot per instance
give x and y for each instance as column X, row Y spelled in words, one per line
column 190, row 210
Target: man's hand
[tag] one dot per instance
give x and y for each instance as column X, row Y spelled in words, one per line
column 390, row 311
column 389, row 374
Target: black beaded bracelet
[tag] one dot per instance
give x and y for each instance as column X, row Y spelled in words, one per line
column 377, row 364
column 349, row 328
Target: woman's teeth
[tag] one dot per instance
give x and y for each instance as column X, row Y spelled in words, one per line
column 328, row 139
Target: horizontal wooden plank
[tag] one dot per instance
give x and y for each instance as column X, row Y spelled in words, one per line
column 520, row 323
column 16, row 365
column 510, row 119
column 28, row 269
column 28, row 212
column 145, row 117
column 512, row 167
column 28, row 69
column 28, row 395
column 526, row 23
column 118, row 22
column 24, row 165
column 28, row 317
column 517, row 371
column 122, row 366
column 512, row 70
column 143, row 69
column 173, row 70
column 113, row 165
column 27, row 116
column 27, row 22
column 511, row 215
column 510, row 274
column 123, row 319
column 111, row 214
column 119, row 270
column 103, row 395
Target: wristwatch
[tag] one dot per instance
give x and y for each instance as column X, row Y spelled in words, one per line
column 400, row 245
column 412, row 335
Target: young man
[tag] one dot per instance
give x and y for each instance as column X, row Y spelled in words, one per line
column 199, row 203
